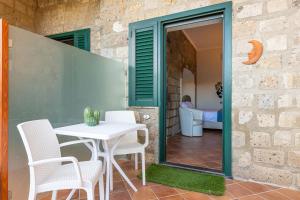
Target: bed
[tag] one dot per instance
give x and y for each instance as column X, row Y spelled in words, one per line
column 212, row 119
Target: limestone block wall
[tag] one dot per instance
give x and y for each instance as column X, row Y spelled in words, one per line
column 180, row 54
column 266, row 112
column 266, row 101
column 19, row 13
column 152, row 123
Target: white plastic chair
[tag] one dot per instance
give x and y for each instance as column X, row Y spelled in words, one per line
column 191, row 122
column 47, row 173
column 129, row 143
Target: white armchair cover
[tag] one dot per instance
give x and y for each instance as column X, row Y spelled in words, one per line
column 191, row 122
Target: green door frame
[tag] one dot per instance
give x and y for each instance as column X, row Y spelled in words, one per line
column 226, row 10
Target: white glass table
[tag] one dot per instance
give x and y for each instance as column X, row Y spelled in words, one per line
column 104, row 132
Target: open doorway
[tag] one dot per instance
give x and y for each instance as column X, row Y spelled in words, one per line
column 194, row 125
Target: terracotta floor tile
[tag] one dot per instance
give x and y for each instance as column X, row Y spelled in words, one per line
column 163, row 191
column 119, row 186
column 238, row 191
column 181, row 191
column 144, row 193
column 229, row 181
column 176, row 197
column 225, row 197
column 119, row 196
column 255, row 187
column 136, row 182
column 252, row 197
column 181, row 149
column 195, row 196
column 292, row 194
column 273, row 195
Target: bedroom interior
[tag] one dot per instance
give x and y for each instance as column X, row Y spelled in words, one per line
column 194, row 95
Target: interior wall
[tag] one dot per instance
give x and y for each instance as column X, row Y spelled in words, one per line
column 188, row 85
column 209, row 72
column 180, row 54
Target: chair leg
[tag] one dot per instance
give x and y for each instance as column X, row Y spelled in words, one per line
column 90, row 193
column 143, row 168
column 111, row 182
column 54, row 195
column 32, row 193
column 136, row 161
column 101, row 188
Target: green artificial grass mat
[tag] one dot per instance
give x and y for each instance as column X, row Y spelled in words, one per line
column 187, row 180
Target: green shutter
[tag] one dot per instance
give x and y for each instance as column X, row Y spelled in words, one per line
column 143, row 64
column 82, row 39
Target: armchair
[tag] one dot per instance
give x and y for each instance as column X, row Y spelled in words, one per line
column 191, row 122
column 47, row 173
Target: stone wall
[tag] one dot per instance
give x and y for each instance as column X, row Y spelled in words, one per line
column 152, row 123
column 180, row 54
column 20, row 13
column 266, row 112
column 266, row 101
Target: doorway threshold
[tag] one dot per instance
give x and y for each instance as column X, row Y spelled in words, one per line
column 193, row 168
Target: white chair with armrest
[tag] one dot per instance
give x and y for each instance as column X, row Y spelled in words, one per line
column 191, row 122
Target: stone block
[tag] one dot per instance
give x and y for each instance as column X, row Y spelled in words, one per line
column 297, row 139
column 273, row 61
column 245, row 116
column 267, row 156
column 238, row 139
column 266, row 120
column 243, row 81
column 289, row 119
column 265, row 101
column 273, row 24
column 260, row 139
column 268, row 82
column 244, row 28
column 271, row 175
column 298, row 101
column 282, row 138
column 242, row 46
column 294, row 18
column 298, row 180
column 285, row 101
column 245, row 160
column 277, row 43
column 277, row 5
column 294, row 159
column 122, row 52
column 109, row 52
column 118, row 27
column 291, row 80
column 249, row 10
column 242, row 99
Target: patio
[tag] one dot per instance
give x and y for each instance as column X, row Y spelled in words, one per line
column 236, row 190
column 113, row 62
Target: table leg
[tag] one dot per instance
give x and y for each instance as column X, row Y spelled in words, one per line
column 108, row 163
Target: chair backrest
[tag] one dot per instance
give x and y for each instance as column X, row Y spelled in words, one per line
column 40, row 143
column 186, row 121
column 125, row 116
